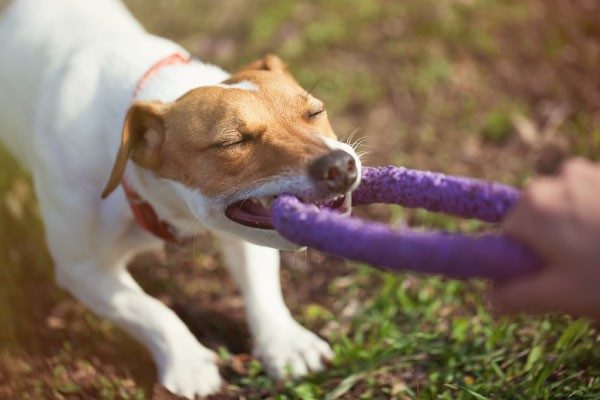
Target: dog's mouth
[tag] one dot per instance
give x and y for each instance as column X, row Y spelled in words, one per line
column 255, row 212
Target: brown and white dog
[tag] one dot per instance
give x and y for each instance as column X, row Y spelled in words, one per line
column 206, row 149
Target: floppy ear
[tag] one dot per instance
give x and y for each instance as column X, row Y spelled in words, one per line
column 143, row 134
column 270, row 62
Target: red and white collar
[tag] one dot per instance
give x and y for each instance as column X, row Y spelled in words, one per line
column 143, row 212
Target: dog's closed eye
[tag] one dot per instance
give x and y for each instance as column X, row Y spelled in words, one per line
column 241, row 135
column 315, row 108
column 233, row 140
column 316, row 113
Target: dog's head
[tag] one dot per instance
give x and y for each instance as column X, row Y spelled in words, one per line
column 233, row 147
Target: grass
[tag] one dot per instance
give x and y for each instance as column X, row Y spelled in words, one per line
column 432, row 339
column 496, row 89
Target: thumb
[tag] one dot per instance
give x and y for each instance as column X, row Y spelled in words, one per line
column 547, row 291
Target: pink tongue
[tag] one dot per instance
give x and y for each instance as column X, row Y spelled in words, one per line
column 255, row 209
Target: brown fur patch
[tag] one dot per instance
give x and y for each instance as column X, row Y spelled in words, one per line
column 219, row 140
column 4, row 4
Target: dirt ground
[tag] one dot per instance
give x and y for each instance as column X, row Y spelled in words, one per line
column 495, row 89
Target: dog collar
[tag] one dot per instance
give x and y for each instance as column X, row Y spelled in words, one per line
column 143, row 212
column 146, row 216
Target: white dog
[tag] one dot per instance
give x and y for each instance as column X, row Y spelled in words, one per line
column 198, row 147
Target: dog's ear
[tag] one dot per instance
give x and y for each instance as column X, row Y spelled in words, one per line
column 143, row 134
column 270, row 62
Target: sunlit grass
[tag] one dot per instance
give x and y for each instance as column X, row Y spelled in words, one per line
column 464, row 87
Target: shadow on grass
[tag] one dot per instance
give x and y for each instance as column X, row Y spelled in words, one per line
column 47, row 338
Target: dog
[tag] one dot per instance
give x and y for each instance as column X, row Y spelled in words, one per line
column 130, row 142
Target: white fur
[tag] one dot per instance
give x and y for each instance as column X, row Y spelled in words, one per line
column 279, row 341
column 242, row 85
column 68, row 72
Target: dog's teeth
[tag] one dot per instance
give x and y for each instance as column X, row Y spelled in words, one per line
column 348, row 201
column 347, row 204
column 265, row 202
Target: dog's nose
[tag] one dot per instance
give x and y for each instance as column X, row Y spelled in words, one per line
column 337, row 169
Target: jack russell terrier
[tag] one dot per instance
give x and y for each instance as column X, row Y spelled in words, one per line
column 198, row 147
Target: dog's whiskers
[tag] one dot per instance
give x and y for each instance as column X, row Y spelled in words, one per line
column 314, row 85
column 152, row 189
column 191, row 223
column 350, row 136
column 359, row 142
column 267, row 179
column 361, row 155
column 194, row 244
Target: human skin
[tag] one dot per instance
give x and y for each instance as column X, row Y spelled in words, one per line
column 559, row 218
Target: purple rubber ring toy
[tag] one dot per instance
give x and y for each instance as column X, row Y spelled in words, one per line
column 432, row 252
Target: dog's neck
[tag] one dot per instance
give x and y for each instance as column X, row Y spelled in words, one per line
column 172, row 81
column 168, row 198
column 164, row 197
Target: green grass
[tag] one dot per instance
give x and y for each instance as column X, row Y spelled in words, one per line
column 486, row 88
column 433, row 339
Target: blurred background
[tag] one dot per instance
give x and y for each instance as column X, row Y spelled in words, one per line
column 494, row 89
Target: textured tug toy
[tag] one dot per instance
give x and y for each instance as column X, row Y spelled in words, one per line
column 433, row 252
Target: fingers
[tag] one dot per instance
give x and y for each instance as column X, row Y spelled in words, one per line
column 549, row 291
column 545, row 198
column 559, row 218
column 582, row 180
column 533, row 219
column 531, row 294
column 578, row 166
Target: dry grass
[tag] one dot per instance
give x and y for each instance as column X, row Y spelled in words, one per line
column 498, row 89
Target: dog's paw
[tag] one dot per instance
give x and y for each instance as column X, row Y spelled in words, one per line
column 192, row 374
column 293, row 351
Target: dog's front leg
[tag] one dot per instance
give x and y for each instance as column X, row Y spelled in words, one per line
column 283, row 345
column 185, row 367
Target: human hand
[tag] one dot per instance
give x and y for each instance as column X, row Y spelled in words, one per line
column 559, row 218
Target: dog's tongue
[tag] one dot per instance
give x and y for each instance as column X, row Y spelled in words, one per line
column 253, row 213
column 250, row 213
column 255, row 209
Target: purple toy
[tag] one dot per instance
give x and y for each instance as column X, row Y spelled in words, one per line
column 453, row 255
